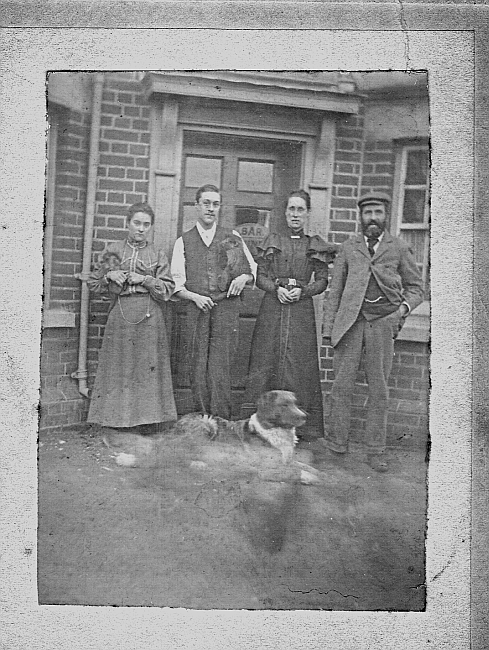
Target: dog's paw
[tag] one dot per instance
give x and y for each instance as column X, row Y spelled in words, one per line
column 126, row 460
column 198, row 464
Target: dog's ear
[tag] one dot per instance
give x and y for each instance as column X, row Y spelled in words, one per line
column 267, row 401
column 287, row 397
column 264, row 408
column 269, row 408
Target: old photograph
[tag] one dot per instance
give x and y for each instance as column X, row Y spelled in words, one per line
column 235, row 348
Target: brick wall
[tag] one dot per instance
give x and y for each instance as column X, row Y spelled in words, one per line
column 346, row 177
column 378, row 167
column 61, row 403
column 407, row 419
column 122, row 179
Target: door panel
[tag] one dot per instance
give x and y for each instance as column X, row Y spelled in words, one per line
column 254, row 175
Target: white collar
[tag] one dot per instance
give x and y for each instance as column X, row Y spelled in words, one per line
column 207, row 235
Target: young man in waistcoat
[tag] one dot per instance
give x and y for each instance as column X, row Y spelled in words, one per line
column 375, row 285
column 212, row 290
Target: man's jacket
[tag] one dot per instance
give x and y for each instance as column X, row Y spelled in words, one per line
column 393, row 267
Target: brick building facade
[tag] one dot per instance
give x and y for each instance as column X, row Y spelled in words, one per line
column 128, row 171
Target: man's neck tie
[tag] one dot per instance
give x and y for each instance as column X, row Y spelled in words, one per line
column 371, row 242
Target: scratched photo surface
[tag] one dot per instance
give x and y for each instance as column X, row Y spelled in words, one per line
column 194, row 515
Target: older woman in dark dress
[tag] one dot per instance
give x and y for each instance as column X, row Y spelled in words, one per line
column 284, row 352
column 133, row 385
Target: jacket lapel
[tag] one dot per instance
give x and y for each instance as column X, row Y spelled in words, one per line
column 361, row 246
column 383, row 246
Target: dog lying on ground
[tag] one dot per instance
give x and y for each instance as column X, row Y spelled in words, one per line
column 274, row 424
column 246, row 473
column 264, row 442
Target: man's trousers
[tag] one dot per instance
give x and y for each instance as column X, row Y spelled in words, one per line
column 374, row 339
column 211, row 345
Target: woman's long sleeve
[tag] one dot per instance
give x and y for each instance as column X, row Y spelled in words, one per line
column 320, row 282
column 97, row 281
column 161, row 286
column 263, row 280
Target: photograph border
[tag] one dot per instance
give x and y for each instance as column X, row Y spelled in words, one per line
column 20, row 18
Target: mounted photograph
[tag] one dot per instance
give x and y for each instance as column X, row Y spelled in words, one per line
column 235, row 346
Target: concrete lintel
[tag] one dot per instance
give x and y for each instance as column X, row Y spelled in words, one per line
column 261, row 91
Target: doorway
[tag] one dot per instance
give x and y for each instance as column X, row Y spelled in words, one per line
column 254, row 175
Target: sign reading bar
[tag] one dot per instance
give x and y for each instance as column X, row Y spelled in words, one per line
column 255, row 232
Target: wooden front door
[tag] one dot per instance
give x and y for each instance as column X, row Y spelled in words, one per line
column 255, row 175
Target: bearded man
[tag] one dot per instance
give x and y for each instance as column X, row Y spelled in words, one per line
column 375, row 285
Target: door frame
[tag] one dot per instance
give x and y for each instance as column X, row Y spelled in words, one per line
column 166, row 166
column 306, row 162
column 165, row 169
column 167, row 124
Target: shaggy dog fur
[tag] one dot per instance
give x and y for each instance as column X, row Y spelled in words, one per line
column 272, row 426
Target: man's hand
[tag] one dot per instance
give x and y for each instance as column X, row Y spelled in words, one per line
column 403, row 310
column 283, row 296
column 135, row 278
column 204, row 303
column 119, row 277
column 295, row 294
column 238, row 284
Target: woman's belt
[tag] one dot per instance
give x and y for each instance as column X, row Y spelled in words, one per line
column 289, row 283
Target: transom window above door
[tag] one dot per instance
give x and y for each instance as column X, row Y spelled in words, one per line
column 200, row 170
column 255, row 176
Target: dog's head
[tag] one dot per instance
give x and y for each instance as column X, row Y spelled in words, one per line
column 278, row 408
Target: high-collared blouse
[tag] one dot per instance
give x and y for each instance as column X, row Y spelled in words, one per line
column 296, row 256
column 142, row 258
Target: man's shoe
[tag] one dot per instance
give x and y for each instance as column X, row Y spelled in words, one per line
column 378, row 463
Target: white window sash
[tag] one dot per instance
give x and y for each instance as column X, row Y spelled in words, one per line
column 400, row 187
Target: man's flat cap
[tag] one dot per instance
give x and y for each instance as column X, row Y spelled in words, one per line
column 374, row 197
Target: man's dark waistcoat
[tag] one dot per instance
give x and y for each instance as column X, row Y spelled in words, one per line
column 201, row 261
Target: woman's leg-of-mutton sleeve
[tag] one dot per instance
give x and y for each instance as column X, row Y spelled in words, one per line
column 160, row 286
column 320, row 282
column 109, row 260
column 321, row 254
column 263, row 280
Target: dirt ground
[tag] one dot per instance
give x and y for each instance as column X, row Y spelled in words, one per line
column 199, row 526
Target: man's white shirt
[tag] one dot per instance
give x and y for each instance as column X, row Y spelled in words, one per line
column 207, row 236
column 381, row 237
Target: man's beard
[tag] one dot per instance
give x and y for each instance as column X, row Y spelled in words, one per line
column 373, row 229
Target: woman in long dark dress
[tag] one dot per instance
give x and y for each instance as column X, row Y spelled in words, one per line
column 133, row 385
column 284, row 351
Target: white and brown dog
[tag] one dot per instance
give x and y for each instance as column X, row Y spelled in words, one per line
column 274, row 424
column 276, row 419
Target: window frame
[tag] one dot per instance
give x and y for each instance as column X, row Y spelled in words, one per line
column 418, row 324
column 402, row 149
